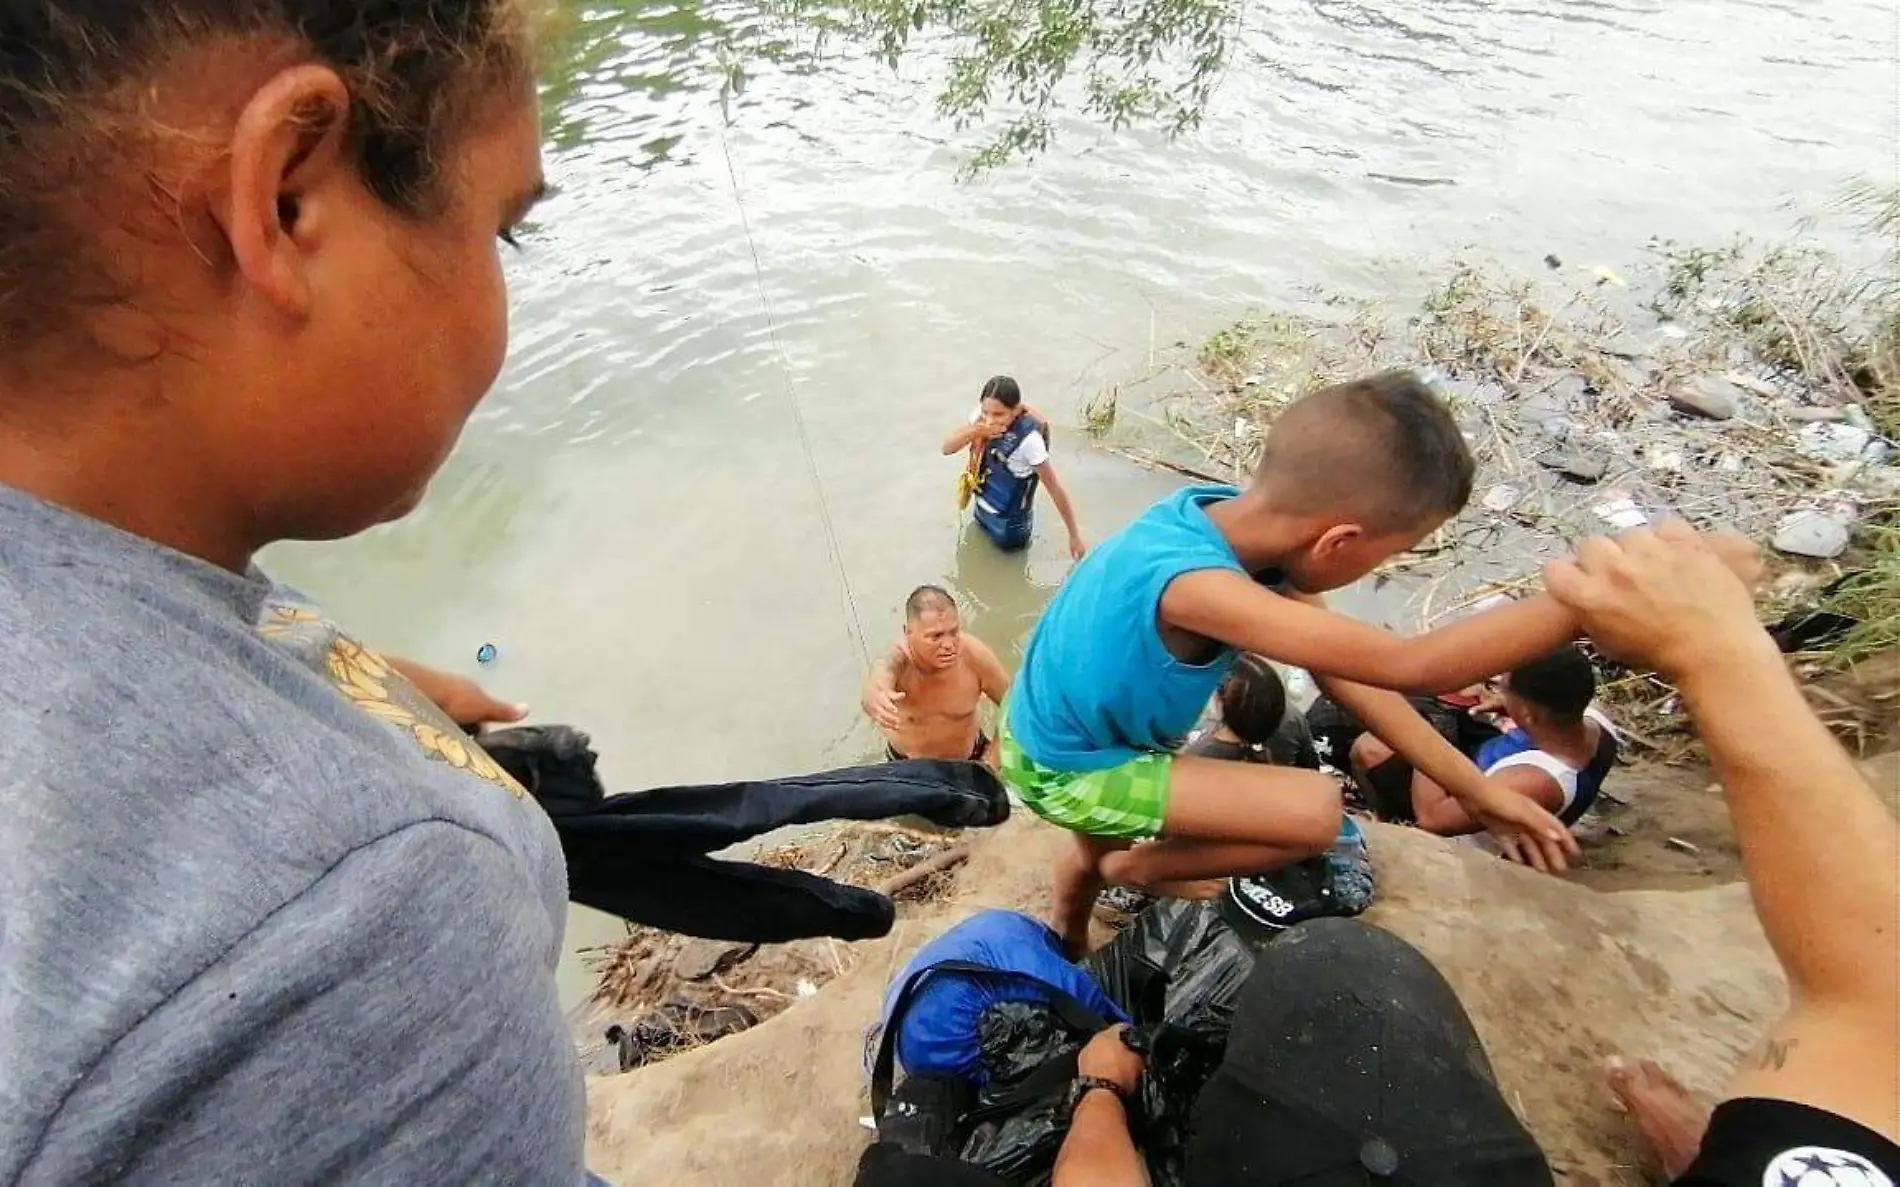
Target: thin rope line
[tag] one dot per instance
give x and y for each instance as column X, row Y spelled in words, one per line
column 798, row 413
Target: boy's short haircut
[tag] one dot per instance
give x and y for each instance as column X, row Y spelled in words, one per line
column 1004, row 390
column 928, row 597
column 1383, row 450
column 1252, row 700
column 1562, row 683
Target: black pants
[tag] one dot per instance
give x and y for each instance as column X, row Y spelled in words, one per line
column 644, row 855
column 1388, row 786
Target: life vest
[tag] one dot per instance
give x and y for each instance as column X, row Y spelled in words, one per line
column 1001, row 492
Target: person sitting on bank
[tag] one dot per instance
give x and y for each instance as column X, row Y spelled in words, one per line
column 1009, row 460
column 923, row 696
column 1556, row 749
column 1251, row 722
column 1252, row 725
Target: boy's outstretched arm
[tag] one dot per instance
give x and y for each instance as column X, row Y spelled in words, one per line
column 1232, row 609
column 1819, row 850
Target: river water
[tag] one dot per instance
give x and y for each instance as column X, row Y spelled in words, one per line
column 633, row 518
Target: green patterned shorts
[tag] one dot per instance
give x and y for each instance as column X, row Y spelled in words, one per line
column 1127, row 801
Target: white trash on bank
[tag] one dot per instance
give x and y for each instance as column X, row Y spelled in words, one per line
column 1821, row 535
column 1664, row 457
column 1502, row 498
column 1841, row 441
column 1621, row 513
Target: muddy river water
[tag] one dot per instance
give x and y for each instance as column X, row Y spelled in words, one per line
column 632, row 518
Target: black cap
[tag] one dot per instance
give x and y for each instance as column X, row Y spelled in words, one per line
column 1350, row 1062
column 1260, row 907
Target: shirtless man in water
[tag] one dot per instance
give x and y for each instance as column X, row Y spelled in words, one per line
column 923, row 696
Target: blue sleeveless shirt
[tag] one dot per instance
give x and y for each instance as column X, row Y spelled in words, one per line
column 1098, row 686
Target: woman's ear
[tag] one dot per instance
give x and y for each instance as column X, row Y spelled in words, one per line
column 287, row 151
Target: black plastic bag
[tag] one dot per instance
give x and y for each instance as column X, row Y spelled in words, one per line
column 925, row 1115
column 1019, row 1121
column 1019, row 1037
column 1019, row 1145
column 1178, row 969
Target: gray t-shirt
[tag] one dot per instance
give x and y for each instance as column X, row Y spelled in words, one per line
column 265, row 915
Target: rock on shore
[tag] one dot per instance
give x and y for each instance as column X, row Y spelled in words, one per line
column 1556, row 976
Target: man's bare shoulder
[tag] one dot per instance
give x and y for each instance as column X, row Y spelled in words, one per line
column 977, row 651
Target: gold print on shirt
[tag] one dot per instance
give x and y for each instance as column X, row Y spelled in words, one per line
column 380, row 691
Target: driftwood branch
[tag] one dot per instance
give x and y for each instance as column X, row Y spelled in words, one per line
column 1160, row 463
column 953, row 856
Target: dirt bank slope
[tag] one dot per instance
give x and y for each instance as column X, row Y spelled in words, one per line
column 1557, row 977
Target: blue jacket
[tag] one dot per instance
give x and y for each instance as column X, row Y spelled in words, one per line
column 938, row 1032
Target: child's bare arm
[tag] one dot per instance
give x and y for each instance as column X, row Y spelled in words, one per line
column 968, row 435
column 1442, row 816
column 1232, row 609
column 1441, row 813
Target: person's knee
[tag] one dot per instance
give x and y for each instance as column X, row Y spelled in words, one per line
column 1083, row 858
column 1130, row 868
column 1368, row 752
column 1313, row 814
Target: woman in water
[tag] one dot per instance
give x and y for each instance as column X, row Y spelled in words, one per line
column 1008, row 445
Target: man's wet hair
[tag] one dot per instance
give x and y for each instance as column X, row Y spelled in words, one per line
column 1383, row 451
column 1003, row 390
column 1562, row 683
column 1252, row 700
column 928, row 597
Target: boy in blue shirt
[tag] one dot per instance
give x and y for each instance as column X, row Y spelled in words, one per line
column 1128, row 652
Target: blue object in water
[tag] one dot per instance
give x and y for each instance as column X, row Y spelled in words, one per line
column 485, row 654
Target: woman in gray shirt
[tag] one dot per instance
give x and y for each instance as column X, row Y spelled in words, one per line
column 265, row 914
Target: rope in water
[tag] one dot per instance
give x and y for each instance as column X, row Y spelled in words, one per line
column 852, row 622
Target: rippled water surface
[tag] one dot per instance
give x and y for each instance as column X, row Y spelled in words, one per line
column 631, row 517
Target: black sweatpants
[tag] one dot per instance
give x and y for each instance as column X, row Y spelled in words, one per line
column 644, row 855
